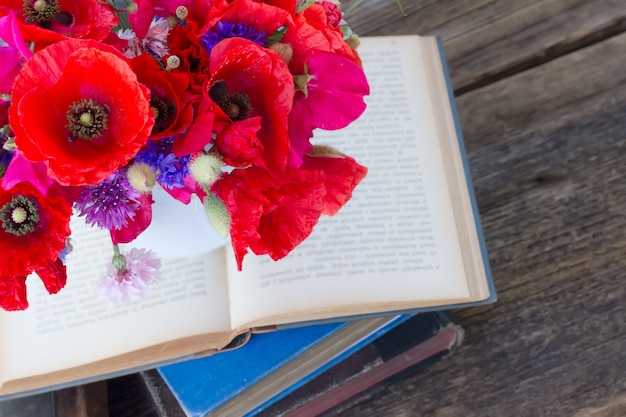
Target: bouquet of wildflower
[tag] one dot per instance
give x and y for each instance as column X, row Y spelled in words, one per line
column 101, row 101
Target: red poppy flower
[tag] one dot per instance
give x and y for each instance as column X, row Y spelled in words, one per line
column 238, row 144
column 77, row 106
column 341, row 176
column 248, row 81
column 167, row 94
column 13, row 293
column 271, row 214
column 288, row 5
column 313, row 34
column 61, row 19
column 4, row 112
column 33, row 231
column 53, row 276
column 333, row 14
column 183, row 41
column 262, row 16
column 201, row 111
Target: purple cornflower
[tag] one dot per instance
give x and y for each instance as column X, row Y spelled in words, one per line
column 171, row 171
column 111, row 203
column 128, row 276
column 223, row 30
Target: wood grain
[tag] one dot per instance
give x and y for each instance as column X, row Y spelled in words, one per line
column 488, row 40
column 546, row 149
column 541, row 88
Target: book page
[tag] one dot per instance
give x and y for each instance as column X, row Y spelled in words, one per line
column 396, row 240
column 75, row 327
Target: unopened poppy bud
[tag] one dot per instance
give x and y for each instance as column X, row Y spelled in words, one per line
column 119, row 260
column 141, row 177
column 205, row 168
column 132, row 8
column 325, row 150
column 285, row 51
column 302, row 82
column 9, row 145
column 182, row 12
column 172, row 62
column 353, row 41
column 217, row 214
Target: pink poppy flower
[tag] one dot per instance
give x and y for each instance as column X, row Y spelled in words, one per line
column 14, row 54
column 333, row 98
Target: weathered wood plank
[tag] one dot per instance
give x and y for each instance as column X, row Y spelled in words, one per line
column 546, row 149
column 487, row 40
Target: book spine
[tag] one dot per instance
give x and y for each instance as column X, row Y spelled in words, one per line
column 410, row 362
column 421, row 340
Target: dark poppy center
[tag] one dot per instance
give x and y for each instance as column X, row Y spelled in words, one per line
column 87, row 119
column 43, row 12
column 235, row 105
column 162, row 114
column 19, row 216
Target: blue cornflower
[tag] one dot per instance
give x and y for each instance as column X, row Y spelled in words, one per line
column 5, row 159
column 111, row 203
column 223, row 30
column 171, row 171
column 5, row 156
column 66, row 250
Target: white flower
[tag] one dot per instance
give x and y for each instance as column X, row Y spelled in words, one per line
column 129, row 283
column 126, row 34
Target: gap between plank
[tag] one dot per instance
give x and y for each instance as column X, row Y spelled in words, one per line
column 569, row 45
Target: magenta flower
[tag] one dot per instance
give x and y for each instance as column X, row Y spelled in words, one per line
column 128, row 276
column 22, row 170
column 12, row 55
column 333, row 98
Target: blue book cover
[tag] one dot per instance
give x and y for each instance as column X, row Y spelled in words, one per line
column 203, row 385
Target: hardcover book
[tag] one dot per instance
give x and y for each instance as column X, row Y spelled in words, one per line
column 408, row 240
column 232, row 382
column 420, row 341
column 292, row 372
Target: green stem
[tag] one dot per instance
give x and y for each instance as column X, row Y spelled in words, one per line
column 399, row 3
column 119, row 260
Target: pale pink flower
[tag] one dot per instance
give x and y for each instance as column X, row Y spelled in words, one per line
column 129, row 284
column 154, row 41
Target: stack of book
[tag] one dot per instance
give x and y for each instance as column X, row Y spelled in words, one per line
column 408, row 242
column 304, row 371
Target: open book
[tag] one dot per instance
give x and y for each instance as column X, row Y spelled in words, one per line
column 409, row 239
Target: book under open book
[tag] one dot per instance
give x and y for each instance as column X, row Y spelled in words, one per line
column 408, row 240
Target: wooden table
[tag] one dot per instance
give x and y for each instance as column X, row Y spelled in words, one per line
column 541, row 94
